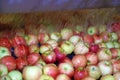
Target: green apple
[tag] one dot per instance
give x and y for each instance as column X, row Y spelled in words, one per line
column 114, row 36
column 3, row 70
column 15, row 75
column 109, row 44
column 4, row 52
column 107, row 77
column 45, row 77
column 5, row 77
column 92, row 30
column 67, row 47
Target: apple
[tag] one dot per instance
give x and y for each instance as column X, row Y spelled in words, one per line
column 33, row 48
column 105, row 67
column 88, row 39
column 3, row 70
column 107, row 77
column 79, row 61
column 115, row 26
column 33, row 58
column 102, row 28
column 18, row 40
column 5, row 42
column 115, row 52
column 92, row 30
column 109, row 44
column 21, row 51
column 115, row 65
column 21, row 62
column 49, row 56
column 55, row 36
column 60, row 55
column 31, row 73
column 116, row 44
column 44, row 48
column 51, row 70
column 66, row 33
column 97, row 39
column 66, row 68
column 92, row 58
column 117, row 76
column 67, row 47
column 43, row 37
column 114, row 36
column 46, row 77
column 4, row 51
column 5, row 77
column 10, row 62
column 52, row 42
column 81, row 48
column 40, row 63
column 94, row 48
column 80, row 73
column 89, row 78
column 105, row 36
column 75, row 39
column 31, row 39
column 102, row 45
column 67, row 60
column 62, row 77
column 104, row 54
column 15, row 75
column 94, row 71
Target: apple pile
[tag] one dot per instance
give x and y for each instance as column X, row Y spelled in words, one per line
column 64, row 55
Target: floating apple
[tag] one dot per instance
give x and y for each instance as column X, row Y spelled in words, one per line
column 51, row 70
column 105, row 67
column 31, row 73
column 55, row 36
column 15, row 75
column 66, row 68
column 3, row 70
column 46, row 77
column 107, row 77
column 4, row 52
column 81, row 48
column 10, row 62
column 79, row 61
column 67, row 47
column 62, row 77
column 66, row 33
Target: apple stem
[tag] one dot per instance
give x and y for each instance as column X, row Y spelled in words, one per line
column 80, row 68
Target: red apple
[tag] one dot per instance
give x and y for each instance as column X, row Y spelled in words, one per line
column 51, row 70
column 21, row 51
column 62, row 77
column 10, row 62
column 97, row 38
column 18, row 40
column 33, row 58
column 5, row 42
column 49, row 57
column 79, row 61
column 94, row 48
column 88, row 39
column 21, row 63
column 115, row 26
column 105, row 36
column 115, row 52
column 89, row 78
column 60, row 56
column 67, row 60
column 66, row 68
column 43, row 37
column 115, row 65
column 80, row 73
column 92, row 58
